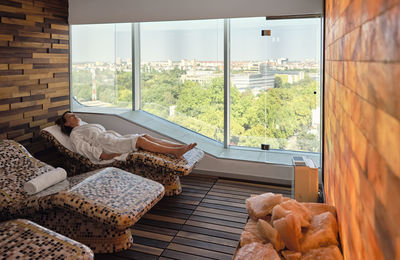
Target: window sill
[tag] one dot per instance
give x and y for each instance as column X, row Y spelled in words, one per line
column 206, row 144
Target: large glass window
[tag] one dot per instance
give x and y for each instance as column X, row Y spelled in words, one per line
column 275, row 83
column 182, row 74
column 102, row 65
column 274, row 80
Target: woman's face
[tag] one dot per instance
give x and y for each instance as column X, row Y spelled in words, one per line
column 71, row 119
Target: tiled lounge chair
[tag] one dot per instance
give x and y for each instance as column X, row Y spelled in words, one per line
column 23, row 239
column 95, row 208
column 158, row 167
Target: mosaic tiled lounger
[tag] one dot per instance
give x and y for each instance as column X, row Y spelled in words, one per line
column 95, row 208
column 158, row 167
column 23, row 239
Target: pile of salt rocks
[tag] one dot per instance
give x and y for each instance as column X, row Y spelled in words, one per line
column 282, row 228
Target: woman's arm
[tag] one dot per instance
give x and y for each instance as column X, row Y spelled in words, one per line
column 84, row 148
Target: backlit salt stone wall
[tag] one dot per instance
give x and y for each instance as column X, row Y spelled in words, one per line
column 362, row 124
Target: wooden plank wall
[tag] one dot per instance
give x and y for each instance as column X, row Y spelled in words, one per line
column 362, row 124
column 34, row 67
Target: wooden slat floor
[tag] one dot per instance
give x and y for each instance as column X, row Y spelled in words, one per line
column 204, row 222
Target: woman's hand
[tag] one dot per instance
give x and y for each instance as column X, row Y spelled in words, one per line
column 106, row 156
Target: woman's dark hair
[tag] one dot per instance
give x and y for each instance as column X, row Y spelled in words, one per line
column 61, row 122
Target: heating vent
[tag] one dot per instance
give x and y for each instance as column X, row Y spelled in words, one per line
column 305, row 179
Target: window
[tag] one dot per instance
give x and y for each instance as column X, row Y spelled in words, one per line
column 275, row 97
column 274, row 80
column 102, row 65
column 182, row 74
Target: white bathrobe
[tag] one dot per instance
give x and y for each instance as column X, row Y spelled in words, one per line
column 90, row 140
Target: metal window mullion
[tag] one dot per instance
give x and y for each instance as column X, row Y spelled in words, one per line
column 227, row 66
column 322, row 105
column 71, row 97
column 135, row 66
column 115, row 65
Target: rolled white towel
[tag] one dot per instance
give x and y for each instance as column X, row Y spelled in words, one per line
column 45, row 180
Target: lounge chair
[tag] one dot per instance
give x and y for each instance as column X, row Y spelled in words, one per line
column 158, row 167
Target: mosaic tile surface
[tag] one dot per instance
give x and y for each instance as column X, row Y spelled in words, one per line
column 23, row 239
column 92, row 208
column 111, row 196
column 118, row 189
column 99, row 237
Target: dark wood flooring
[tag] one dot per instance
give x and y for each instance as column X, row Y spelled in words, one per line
column 204, row 222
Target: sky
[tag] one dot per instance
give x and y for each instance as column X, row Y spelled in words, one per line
column 295, row 39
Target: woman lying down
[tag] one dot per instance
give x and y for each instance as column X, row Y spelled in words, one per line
column 96, row 143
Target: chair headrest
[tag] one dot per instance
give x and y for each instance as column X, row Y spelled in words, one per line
column 63, row 139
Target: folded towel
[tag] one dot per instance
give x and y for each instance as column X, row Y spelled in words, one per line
column 45, row 180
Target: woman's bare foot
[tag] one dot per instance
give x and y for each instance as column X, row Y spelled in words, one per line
column 181, row 151
column 191, row 146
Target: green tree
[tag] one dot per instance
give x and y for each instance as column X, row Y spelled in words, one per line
column 308, row 142
column 277, row 82
column 274, row 116
column 82, row 85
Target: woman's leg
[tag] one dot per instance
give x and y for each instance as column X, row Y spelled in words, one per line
column 162, row 141
column 146, row 144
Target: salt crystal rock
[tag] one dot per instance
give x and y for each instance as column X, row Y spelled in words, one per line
column 292, row 206
column 323, row 253
column 289, row 229
column 257, row 251
column 247, row 237
column 261, row 205
column 279, row 212
column 251, row 226
column 251, row 234
column 322, row 232
column 267, row 218
column 270, row 234
column 291, row 255
column 318, row 208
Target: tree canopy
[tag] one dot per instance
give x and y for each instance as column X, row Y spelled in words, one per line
column 279, row 116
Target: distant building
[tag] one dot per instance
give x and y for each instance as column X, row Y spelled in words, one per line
column 283, row 61
column 316, row 121
column 316, row 117
column 255, row 82
column 253, row 66
column 200, row 76
column 292, row 76
column 314, row 76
